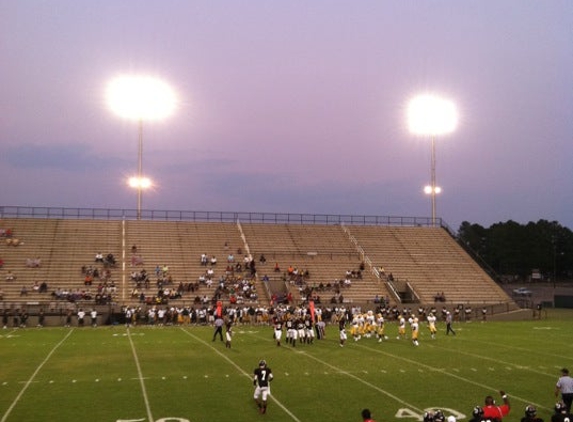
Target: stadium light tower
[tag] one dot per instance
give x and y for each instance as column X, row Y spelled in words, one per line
column 140, row 98
column 431, row 116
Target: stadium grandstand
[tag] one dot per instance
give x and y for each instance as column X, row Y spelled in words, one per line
column 60, row 259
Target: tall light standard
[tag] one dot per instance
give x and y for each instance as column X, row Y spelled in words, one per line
column 140, row 98
column 431, row 116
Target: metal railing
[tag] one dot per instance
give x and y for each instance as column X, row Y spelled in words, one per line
column 210, row 216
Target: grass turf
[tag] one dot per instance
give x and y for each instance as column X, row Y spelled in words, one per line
column 179, row 374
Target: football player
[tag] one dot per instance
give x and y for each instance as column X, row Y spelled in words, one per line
column 381, row 327
column 432, row 325
column 415, row 329
column 531, row 414
column 278, row 331
column 261, row 380
column 309, row 329
column 561, row 414
column 401, row 327
column 342, row 330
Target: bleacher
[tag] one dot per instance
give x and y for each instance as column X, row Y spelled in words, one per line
column 431, row 261
column 323, row 250
column 427, row 258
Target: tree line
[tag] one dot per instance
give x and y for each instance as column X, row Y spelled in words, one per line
column 515, row 250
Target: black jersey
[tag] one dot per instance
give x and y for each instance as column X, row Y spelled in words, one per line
column 562, row 417
column 263, row 375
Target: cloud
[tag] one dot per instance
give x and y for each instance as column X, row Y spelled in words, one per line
column 67, row 157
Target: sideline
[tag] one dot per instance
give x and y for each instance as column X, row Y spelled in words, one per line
column 31, row 379
column 238, row 368
column 140, row 376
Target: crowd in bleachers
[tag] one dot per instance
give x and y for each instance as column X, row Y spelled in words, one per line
column 234, row 282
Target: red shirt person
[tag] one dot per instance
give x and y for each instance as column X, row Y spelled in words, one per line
column 493, row 411
column 366, row 416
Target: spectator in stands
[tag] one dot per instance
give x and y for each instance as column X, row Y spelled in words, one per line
column 1, row 262
column 230, row 258
column 277, row 268
column 1, row 294
column 133, row 249
column 204, row 259
column 10, row 276
column 262, row 259
column 213, row 260
column 33, row 262
column 136, row 260
column 99, row 257
column 12, row 242
column 43, row 287
column 110, row 260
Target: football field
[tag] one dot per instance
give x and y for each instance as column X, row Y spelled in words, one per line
column 178, row 373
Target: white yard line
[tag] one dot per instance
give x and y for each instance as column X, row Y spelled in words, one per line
column 31, row 379
column 458, row 377
column 238, row 368
column 369, row 384
column 140, row 376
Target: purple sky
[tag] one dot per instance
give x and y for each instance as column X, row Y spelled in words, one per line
column 292, row 106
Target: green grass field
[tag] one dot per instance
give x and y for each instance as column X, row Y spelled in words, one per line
column 179, row 374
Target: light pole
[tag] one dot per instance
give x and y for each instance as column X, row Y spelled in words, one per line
column 431, row 116
column 140, row 98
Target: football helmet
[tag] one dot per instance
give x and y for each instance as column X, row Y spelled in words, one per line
column 262, row 362
column 560, row 407
column 477, row 412
column 429, row 417
column 439, row 416
column 530, row 411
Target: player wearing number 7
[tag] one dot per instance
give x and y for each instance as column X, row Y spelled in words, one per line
column 261, row 380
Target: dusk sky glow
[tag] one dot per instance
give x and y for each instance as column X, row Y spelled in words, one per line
column 292, row 106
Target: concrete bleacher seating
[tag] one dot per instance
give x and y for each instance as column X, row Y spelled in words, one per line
column 428, row 258
column 323, row 250
column 431, row 261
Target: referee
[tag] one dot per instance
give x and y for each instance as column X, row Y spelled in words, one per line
column 565, row 387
